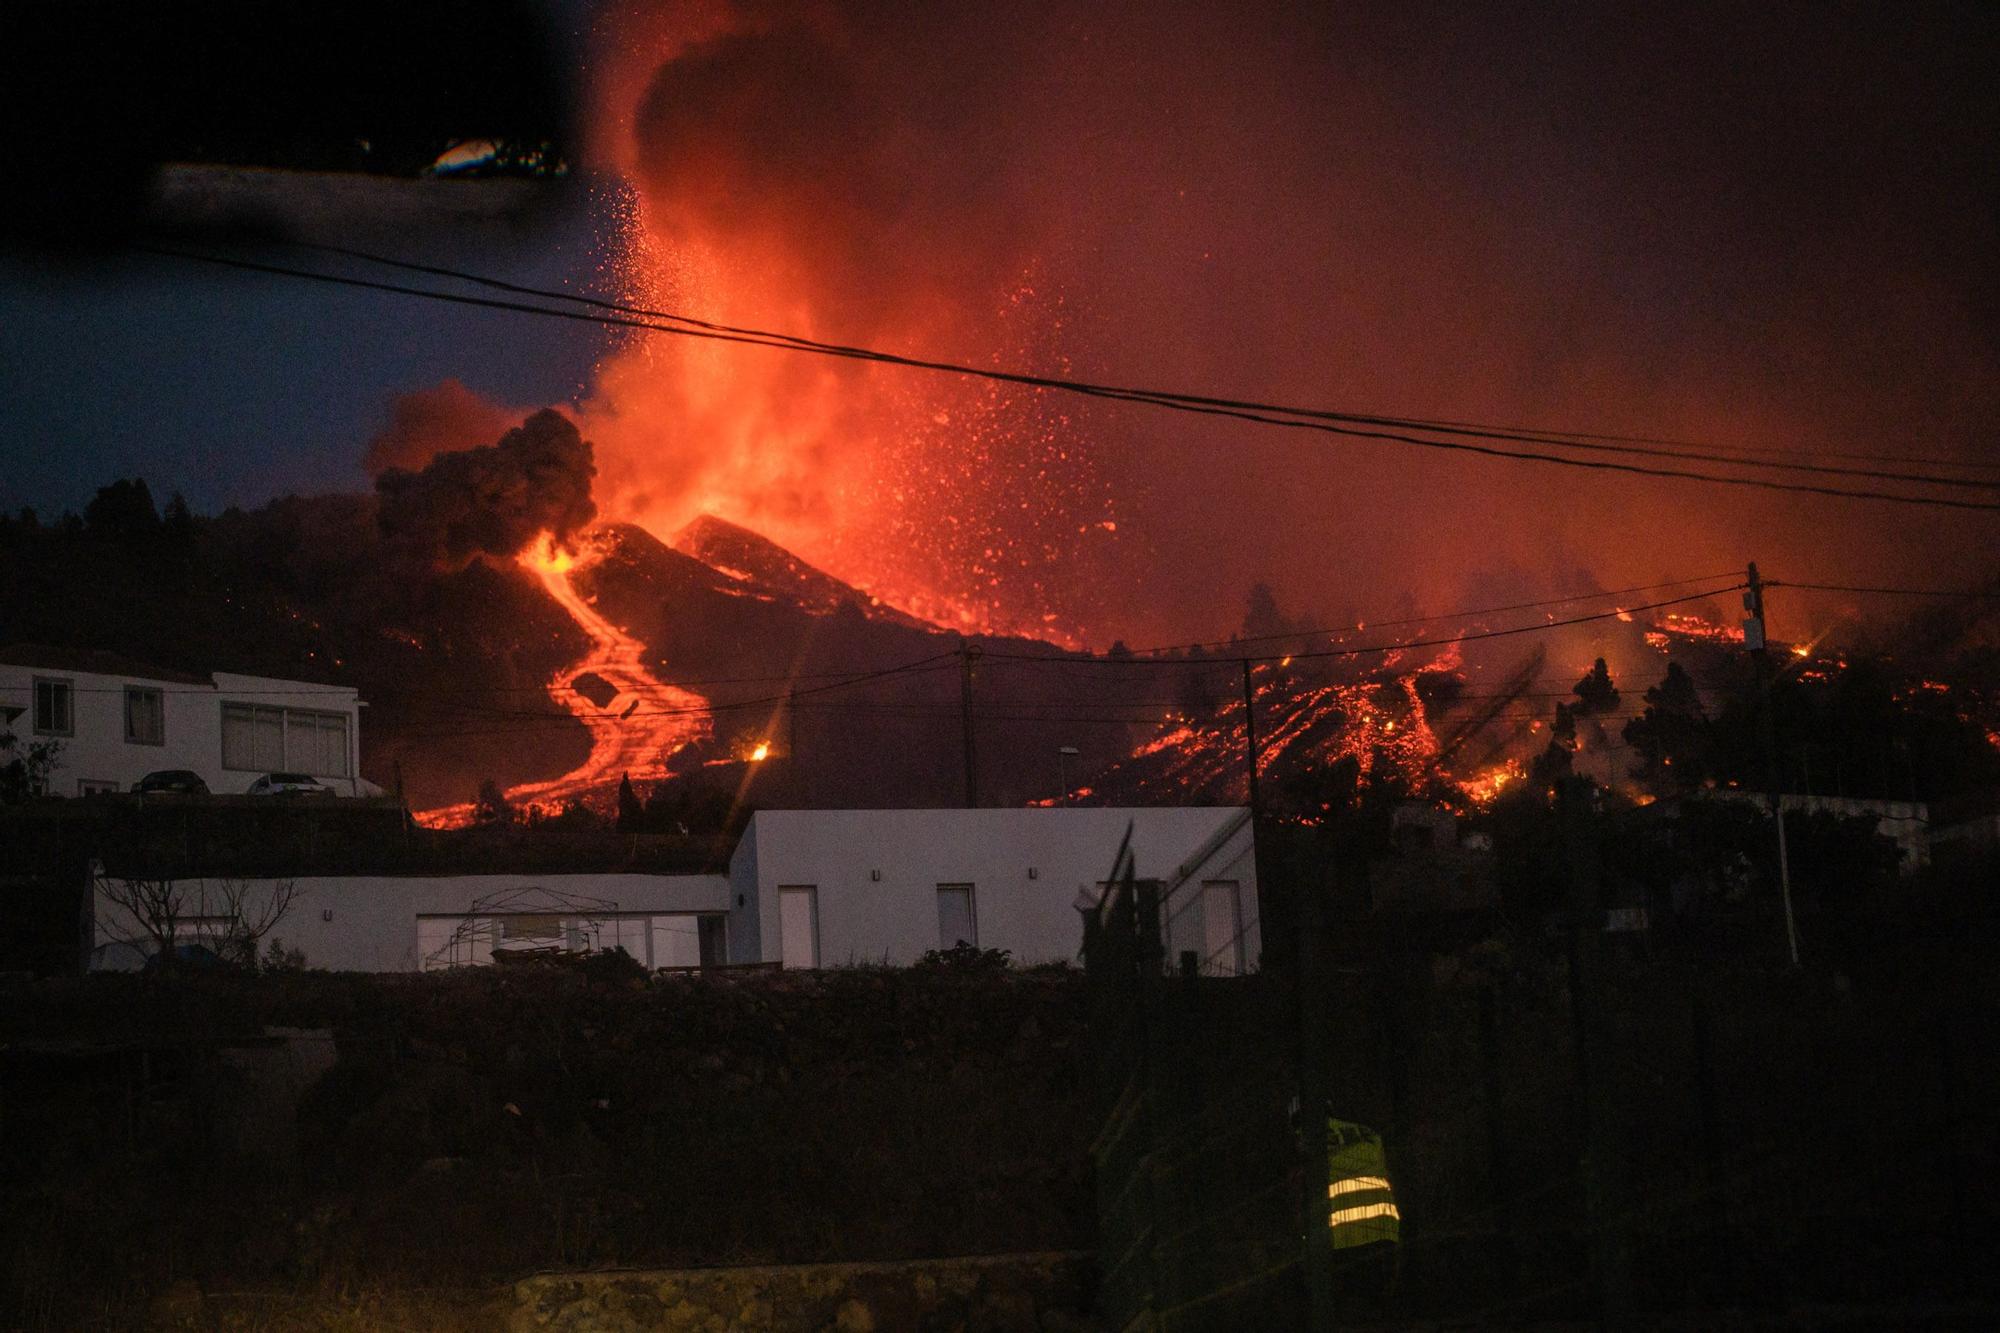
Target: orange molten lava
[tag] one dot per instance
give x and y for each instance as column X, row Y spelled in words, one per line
column 642, row 721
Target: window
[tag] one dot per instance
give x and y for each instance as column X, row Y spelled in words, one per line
column 145, row 716
column 956, row 923
column 798, row 924
column 55, row 707
column 258, row 738
column 209, row 931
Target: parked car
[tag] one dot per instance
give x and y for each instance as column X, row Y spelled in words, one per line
column 289, row 784
column 171, row 781
column 198, row 957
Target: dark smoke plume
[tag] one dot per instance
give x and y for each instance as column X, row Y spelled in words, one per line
column 439, row 420
column 493, row 500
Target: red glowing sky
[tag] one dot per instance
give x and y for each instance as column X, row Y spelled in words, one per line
column 1747, row 230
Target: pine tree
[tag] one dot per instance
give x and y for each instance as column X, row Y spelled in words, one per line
column 630, row 811
column 1596, row 695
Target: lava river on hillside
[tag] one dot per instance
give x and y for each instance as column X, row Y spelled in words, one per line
column 635, row 719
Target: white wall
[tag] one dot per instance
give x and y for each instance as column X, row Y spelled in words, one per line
column 97, row 751
column 364, row 923
column 894, row 918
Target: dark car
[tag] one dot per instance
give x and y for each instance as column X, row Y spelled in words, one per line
column 198, row 957
column 173, row 781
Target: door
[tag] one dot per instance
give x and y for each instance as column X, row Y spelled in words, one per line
column 798, row 925
column 713, row 940
column 1222, row 928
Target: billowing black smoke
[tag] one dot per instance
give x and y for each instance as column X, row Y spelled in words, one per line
column 494, row 500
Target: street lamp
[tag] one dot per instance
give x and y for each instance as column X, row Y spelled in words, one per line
column 1063, row 755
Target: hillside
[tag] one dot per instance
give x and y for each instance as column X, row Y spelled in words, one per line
column 857, row 703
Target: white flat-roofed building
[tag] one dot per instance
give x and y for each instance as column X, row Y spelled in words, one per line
column 114, row 720
column 822, row 888
column 804, row 889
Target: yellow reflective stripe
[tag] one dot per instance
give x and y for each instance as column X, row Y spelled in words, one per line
column 1350, row 1186
column 1341, row 1217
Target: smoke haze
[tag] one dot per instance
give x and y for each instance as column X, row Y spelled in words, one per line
column 442, row 419
column 1768, row 228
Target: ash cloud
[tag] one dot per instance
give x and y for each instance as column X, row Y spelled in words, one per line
column 445, row 418
column 493, row 500
column 1749, row 226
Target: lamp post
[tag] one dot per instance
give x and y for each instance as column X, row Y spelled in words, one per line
column 1064, row 754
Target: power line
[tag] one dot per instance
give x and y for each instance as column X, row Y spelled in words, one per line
column 1425, row 620
column 1921, row 460
column 1691, row 450
column 1319, row 653
column 1260, row 414
column 1966, row 593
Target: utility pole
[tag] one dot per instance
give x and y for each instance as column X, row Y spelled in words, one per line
column 1756, row 640
column 800, row 785
column 1603, row 1165
column 1250, row 737
column 967, row 655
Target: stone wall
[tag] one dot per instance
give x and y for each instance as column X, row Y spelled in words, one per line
column 994, row 1292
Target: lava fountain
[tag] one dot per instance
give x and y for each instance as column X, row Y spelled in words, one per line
column 636, row 721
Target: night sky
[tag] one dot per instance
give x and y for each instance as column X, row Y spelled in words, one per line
column 1769, row 225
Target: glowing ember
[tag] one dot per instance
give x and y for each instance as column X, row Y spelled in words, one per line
column 1484, row 788
column 641, row 722
column 1675, row 624
column 761, row 753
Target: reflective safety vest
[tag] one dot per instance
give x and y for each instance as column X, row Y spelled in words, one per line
column 1360, row 1206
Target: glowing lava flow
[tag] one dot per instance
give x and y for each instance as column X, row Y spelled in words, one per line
column 639, row 722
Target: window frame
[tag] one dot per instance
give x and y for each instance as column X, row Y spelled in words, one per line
column 971, row 893
column 159, row 697
column 290, row 719
column 68, row 685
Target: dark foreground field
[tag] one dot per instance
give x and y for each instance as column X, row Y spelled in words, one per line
column 479, row 1126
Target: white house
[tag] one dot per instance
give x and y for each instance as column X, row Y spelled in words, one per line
column 825, row 887
column 115, row 720
column 805, row 888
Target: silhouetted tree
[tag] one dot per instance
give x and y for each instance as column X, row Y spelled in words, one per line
column 122, row 512
column 24, row 768
column 1596, row 695
column 491, row 807
column 630, row 812
column 1673, row 738
column 1261, row 617
column 1558, row 761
